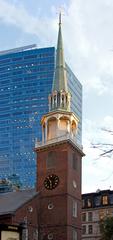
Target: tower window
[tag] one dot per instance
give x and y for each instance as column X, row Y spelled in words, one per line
column 74, row 161
column 62, row 100
column 74, row 234
column 58, row 99
column 105, row 200
column 74, row 208
column 101, row 214
column 83, row 203
column 55, row 101
column 83, row 217
column 89, row 203
column 111, row 198
column 97, row 200
column 89, row 216
column 83, row 229
column 90, row 229
column 51, row 159
column 51, row 102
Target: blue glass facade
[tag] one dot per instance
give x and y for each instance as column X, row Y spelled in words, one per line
column 75, row 88
column 26, row 79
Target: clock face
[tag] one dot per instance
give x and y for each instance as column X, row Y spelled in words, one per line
column 51, row 182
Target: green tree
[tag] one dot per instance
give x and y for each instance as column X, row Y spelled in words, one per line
column 106, row 228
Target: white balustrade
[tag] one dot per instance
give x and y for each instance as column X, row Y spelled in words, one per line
column 67, row 136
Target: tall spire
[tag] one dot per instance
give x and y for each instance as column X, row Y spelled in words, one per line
column 59, row 99
column 60, row 80
column 60, row 121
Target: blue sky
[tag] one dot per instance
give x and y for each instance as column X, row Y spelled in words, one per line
column 88, row 44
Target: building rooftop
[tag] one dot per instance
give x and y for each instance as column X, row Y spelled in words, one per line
column 98, row 192
column 11, row 201
column 15, row 50
column 98, row 199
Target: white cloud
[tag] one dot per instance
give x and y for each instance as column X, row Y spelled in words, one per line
column 88, row 30
column 108, row 121
column 95, row 132
column 97, row 171
column 19, row 16
column 88, row 35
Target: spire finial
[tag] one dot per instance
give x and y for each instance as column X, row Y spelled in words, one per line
column 60, row 18
column 60, row 13
column 60, row 78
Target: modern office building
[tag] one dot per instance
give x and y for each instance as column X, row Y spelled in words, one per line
column 26, row 76
column 95, row 207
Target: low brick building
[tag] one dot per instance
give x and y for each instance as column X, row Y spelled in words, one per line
column 21, row 208
column 95, row 207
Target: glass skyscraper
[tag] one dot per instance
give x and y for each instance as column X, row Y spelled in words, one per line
column 26, row 76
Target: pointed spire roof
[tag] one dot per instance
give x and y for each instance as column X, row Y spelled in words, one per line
column 60, row 79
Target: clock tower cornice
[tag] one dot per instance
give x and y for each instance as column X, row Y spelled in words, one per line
column 58, row 142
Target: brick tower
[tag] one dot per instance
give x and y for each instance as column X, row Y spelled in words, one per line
column 59, row 162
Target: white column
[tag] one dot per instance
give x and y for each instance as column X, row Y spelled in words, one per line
column 45, row 131
column 71, row 132
column 60, row 99
column 42, row 134
column 49, row 103
column 64, row 100
column 56, row 100
column 69, row 100
column 68, row 126
column 57, row 130
column 52, row 100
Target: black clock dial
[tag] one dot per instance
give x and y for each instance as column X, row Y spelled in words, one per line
column 51, row 182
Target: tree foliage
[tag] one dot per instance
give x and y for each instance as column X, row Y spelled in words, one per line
column 106, row 228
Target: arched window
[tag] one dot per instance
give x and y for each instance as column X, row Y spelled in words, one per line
column 55, row 101
column 62, row 100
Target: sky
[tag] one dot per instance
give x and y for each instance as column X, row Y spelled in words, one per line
column 88, row 45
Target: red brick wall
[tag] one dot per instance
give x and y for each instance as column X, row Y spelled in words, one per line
column 23, row 213
column 60, row 220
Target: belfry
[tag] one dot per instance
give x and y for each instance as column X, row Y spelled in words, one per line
column 59, row 121
column 59, row 161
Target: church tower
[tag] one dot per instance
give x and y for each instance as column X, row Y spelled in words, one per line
column 59, row 162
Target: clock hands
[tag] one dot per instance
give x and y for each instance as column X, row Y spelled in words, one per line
column 51, row 181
